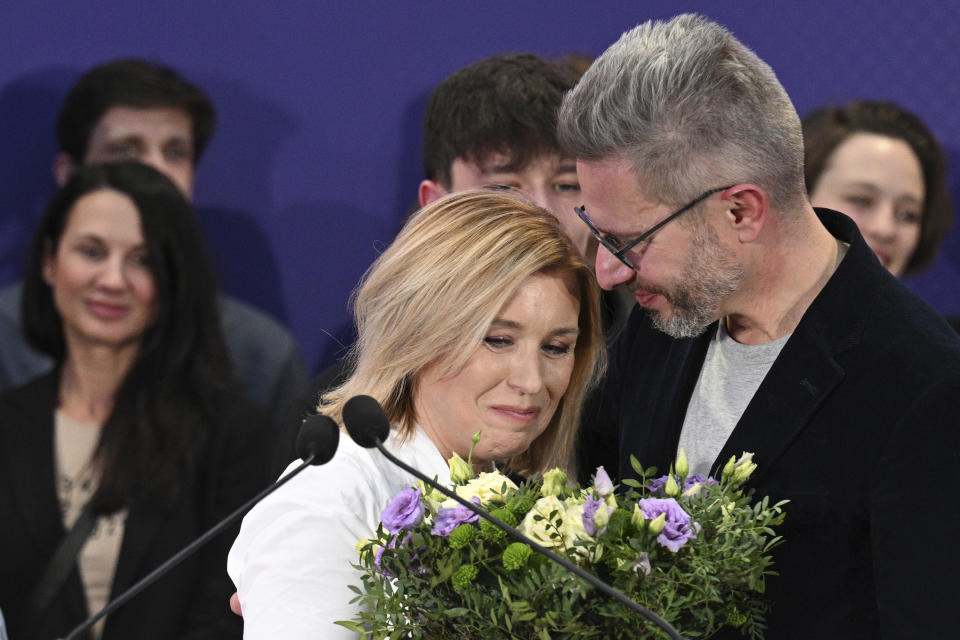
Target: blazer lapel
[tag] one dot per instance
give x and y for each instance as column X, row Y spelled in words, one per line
column 807, row 371
column 784, row 402
column 29, row 459
column 142, row 525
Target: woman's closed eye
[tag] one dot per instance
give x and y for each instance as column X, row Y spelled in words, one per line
column 557, row 349
column 498, row 342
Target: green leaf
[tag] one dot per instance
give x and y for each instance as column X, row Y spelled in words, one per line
column 455, row 612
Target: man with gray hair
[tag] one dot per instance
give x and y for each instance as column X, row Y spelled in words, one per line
column 769, row 327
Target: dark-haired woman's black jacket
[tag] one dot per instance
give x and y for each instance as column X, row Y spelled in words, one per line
column 191, row 601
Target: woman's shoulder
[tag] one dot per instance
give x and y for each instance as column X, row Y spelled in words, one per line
column 41, row 390
column 351, row 474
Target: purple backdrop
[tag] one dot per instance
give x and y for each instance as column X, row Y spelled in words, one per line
column 317, row 154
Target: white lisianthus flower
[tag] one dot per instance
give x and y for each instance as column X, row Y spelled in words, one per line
column 573, row 524
column 543, row 523
column 489, row 487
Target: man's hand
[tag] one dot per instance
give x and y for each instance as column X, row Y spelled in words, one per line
column 235, row 604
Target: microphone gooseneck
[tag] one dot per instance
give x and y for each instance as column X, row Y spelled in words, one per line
column 368, row 426
column 317, row 441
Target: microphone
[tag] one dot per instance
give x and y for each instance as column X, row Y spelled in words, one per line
column 317, row 441
column 369, row 426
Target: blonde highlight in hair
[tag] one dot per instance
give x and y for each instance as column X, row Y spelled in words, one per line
column 433, row 294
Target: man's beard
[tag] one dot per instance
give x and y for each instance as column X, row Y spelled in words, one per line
column 695, row 303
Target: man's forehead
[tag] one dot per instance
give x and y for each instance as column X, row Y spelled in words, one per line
column 126, row 121
column 514, row 162
column 614, row 197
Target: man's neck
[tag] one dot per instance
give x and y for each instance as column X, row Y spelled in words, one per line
column 790, row 270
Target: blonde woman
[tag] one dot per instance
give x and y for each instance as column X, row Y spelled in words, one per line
column 480, row 316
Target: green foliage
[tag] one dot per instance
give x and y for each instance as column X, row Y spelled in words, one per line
column 490, row 586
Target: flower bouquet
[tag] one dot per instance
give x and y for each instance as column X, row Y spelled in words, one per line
column 694, row 550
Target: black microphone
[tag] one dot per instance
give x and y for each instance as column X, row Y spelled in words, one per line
column 317, row 441
column 369, row 426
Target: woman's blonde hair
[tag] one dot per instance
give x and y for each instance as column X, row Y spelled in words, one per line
column 433, row 294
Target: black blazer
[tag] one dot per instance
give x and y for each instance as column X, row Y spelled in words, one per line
column 857, row 423
column 191, row 601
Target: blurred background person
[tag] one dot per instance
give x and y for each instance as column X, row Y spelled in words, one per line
column 480, row 316
column 880, row 164
column 135, row 442
column 137, row 110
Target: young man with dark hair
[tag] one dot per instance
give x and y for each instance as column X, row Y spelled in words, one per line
column 493, row 125
column 137, row 110
column 134, row 110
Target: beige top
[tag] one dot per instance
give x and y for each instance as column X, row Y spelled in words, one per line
column 74, row 445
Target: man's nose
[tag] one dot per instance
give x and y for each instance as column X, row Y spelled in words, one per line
column 611, row 271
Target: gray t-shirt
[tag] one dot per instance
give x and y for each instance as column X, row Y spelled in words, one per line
column 730, row 375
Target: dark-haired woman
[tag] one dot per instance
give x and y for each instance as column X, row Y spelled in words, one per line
column 136, row 430
column 880, row 164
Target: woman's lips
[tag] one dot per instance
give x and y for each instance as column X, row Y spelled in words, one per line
column 520, row 414
column 107, row 310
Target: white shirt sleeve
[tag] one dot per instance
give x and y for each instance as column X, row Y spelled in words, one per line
column 292, row 562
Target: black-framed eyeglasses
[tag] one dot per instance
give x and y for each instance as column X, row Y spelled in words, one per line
column 619, row 249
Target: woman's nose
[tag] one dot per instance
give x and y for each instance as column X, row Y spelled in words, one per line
column 525, row 374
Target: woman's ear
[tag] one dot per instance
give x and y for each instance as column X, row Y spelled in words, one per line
column 48, row 270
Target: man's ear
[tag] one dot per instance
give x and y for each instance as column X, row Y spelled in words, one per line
column 747, row 208
column 430, row 191
column 63, row 168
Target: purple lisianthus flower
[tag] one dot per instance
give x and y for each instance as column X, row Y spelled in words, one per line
column 643, row 563
column 590, row 508
column 449, row 519
column 602, row 483
column 678, row 528
column 657, row 484
column 403, row 512
column 393, row 544
column 695, row 478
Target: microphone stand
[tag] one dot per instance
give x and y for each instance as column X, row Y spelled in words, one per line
column 181, row 555
column 569, row 566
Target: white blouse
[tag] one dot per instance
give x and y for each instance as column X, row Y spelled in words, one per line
column 291, row 563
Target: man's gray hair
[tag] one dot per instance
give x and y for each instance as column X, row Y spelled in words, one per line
column 691, row 108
